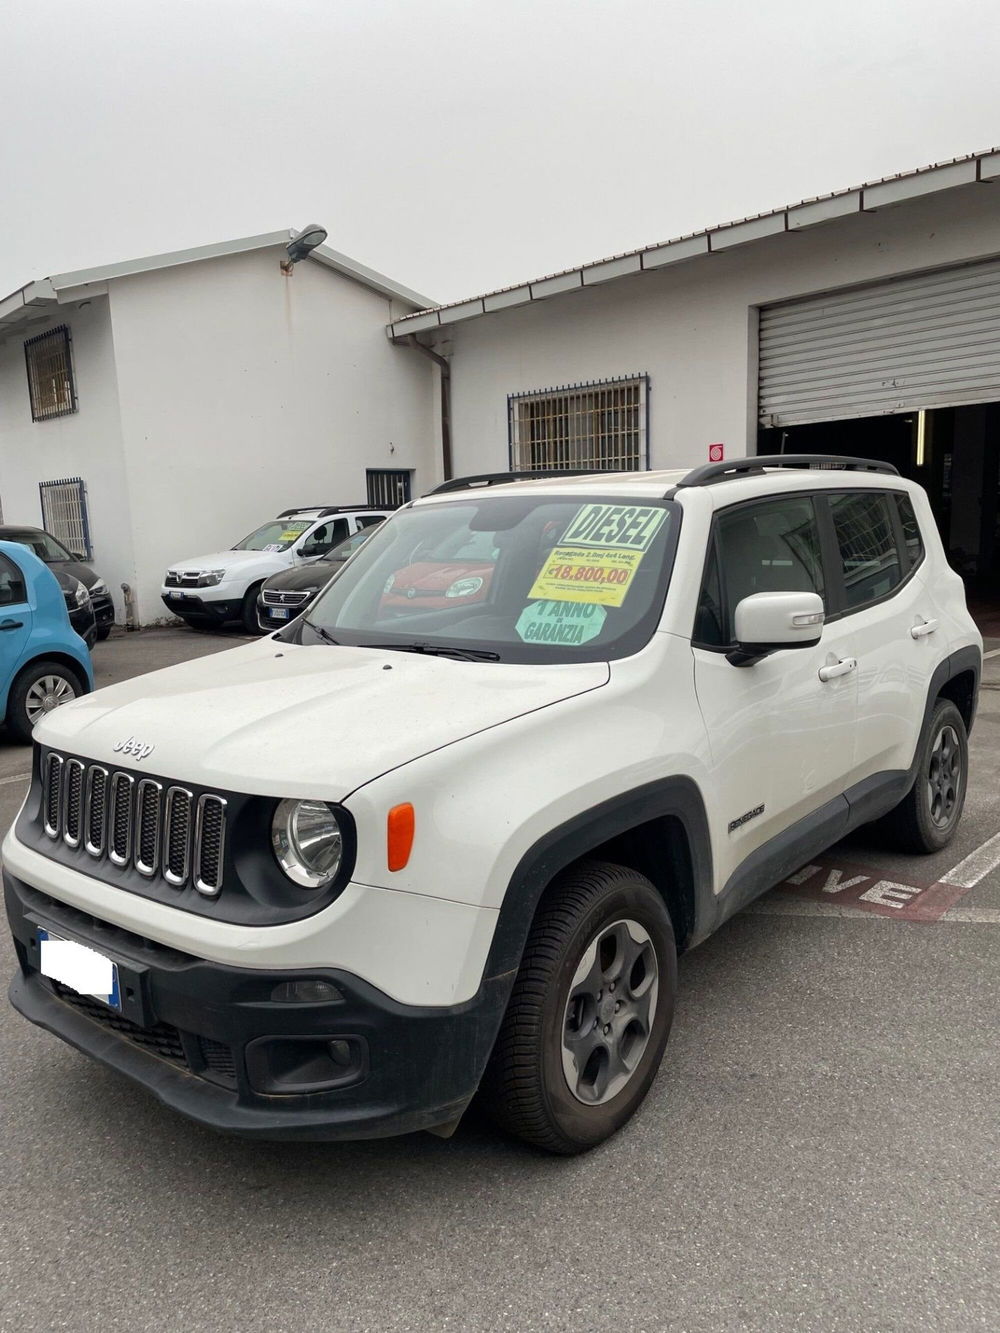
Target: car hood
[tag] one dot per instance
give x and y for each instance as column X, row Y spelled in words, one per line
column 223, row 559
column 78, row 570
column 281, row 719
column 313, row 574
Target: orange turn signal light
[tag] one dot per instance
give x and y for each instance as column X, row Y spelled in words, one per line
column 399, row 835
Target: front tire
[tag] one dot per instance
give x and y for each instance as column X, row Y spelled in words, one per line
column 103, row 633
column 248, row 614
column 928, row 815
column 41, row 687
column 589, row 1014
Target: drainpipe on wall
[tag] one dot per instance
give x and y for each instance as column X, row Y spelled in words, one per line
column 445, row 369
column 131, row 620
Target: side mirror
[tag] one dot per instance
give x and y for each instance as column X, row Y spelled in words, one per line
column 769, row 621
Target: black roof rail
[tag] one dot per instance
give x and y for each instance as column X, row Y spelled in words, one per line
column 323, row 510
column 481, row 479
column 739, row 467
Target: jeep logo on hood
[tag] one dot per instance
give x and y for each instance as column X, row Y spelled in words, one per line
column 133, row 747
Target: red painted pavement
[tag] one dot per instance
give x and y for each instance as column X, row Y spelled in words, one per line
column 855, row 886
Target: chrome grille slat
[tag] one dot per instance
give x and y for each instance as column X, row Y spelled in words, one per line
column 52, row 795
column 177, row 836
column 72, row 819
column 284, row 598
column 136, row 822
column 96, row 809
column 147, row 825
column 209, row 842
column 120, row 819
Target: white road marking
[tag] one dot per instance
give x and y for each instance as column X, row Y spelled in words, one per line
column 994, row 652
column 968, row 873
column 983, row 916
column 888, row 894
column 18, row 777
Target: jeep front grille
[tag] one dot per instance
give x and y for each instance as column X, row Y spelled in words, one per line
column 136, row 824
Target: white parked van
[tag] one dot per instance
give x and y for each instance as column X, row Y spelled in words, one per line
column 212, row 589
column 338, row 882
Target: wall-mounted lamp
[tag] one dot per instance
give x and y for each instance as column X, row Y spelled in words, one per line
column 921, row 437
column 302, row 245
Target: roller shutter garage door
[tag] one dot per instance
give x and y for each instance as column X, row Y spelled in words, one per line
column 927, row 341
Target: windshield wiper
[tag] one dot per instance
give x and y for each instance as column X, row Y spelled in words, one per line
column 439, row 650
column 318, row 629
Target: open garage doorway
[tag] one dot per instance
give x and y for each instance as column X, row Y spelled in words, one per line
column 954, row 453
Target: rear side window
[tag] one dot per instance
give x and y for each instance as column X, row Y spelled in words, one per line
column 12, row 590
column 911, row 531
column 869, row 558
column 772, row 546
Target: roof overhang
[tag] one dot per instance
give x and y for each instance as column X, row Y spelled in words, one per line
column 873, row 197
column 34, row 303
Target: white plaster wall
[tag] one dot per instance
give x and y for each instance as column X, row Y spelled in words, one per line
column 244, row 392
column 86, row 443
column 693, row 327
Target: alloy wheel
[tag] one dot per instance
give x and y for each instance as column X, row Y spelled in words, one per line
column 609, row 1013
column 944, row 776
column 46, row 693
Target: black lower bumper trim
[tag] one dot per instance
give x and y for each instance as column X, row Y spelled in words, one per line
column 205, row 1037
column 196, row 608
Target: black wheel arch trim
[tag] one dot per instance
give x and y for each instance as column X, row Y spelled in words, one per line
column 675, row 797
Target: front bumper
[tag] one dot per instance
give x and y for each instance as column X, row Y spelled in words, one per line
column 189, row 606
column 104, row 611
column 212, row 1042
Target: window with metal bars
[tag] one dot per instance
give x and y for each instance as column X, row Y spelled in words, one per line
column 601, row 426
column 388, row 488
column 64, row 514
column 50, row 374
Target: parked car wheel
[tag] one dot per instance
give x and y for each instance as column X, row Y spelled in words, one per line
column 248, row 614
column 41, row 687
column 589, row 1014
column 927, row 817
column 103, row 632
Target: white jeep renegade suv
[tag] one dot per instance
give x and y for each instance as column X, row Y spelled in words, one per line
column 213, row 589
column 335, row 883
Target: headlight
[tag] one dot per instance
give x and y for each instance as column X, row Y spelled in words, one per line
column 99, row 589
column 387, row 586
column 208, row 578
column 464, row 587
column 80, row 595
column 307, row 842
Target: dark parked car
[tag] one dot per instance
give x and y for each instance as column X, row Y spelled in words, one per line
column 79, row 604
column 59, row 560
column 286, row 595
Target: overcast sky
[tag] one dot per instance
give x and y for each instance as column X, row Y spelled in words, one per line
column 459, row 146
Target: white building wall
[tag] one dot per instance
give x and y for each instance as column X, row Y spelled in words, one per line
column 693, row 327
column 244, row 392
column 86, row 443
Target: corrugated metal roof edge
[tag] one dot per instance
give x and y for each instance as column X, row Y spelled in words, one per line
column 689, row 244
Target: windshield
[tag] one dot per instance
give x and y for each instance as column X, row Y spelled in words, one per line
column 508, row 578
column 276, row 536
column 44, row 546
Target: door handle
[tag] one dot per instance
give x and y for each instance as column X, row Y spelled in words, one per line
column 921, row 631
column 11, row 624
column 840, row 668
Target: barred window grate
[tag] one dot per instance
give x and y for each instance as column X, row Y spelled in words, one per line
column 600, row 426
column 64, row 514
column 50, row 374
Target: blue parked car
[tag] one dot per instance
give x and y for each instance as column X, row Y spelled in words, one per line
column 43, row 661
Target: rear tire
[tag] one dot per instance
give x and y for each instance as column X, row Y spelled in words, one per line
column 589, row 1014
column 928, row 815
column 41, row 687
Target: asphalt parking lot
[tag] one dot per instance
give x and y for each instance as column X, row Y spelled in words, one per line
column 819, row 1152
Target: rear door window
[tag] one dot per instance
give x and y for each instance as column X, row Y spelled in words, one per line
column 871, row 563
